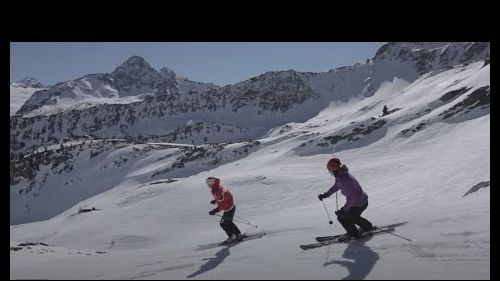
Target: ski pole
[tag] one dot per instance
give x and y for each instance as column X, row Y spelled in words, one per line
column 242, row 219
column 337, row 200
column 236, row 220
column 330, row 220
column 396, row 235
column 247, row 221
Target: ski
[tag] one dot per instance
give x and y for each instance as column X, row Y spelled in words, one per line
column 387, row 226
column 345, row 238
column 245, row 238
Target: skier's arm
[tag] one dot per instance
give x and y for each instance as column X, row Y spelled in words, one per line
column 331, row 191
column 219, row 198
column 212, row 212
column 217, row 209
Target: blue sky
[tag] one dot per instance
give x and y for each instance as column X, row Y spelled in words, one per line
column 221, row 63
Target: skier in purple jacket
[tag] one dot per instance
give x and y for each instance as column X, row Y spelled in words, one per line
column 356, row 200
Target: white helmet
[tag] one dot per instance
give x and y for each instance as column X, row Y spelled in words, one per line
column 210, row 181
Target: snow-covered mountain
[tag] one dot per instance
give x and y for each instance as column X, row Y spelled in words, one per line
column 254, row 106
column 136, row 76
column 426, row 162
column 128, row 83
column 21, row 91
column 28, row 82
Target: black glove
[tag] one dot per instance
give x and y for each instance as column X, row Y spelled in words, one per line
column 340, row 212
column 212, row 212
column 213, row 201
column 321, row 196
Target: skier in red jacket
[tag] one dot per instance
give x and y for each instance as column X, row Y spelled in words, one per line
column 224, row 201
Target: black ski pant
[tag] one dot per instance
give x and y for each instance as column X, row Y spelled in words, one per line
column 226, row 222
column 351, row 218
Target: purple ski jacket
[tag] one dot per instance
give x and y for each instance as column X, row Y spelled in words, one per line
column 349, row 186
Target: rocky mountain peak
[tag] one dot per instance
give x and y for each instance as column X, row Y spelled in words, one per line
column 136, row 76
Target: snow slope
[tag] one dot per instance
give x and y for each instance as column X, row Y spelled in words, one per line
column 149, row 227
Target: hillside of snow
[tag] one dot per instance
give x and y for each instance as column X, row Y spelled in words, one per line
column 416, row 164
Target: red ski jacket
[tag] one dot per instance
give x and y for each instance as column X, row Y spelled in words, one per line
column 222, row 196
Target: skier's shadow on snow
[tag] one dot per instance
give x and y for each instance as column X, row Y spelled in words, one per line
column 364, row 259
column 213, row 262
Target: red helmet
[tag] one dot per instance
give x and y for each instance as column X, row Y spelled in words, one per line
column 333, row 164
